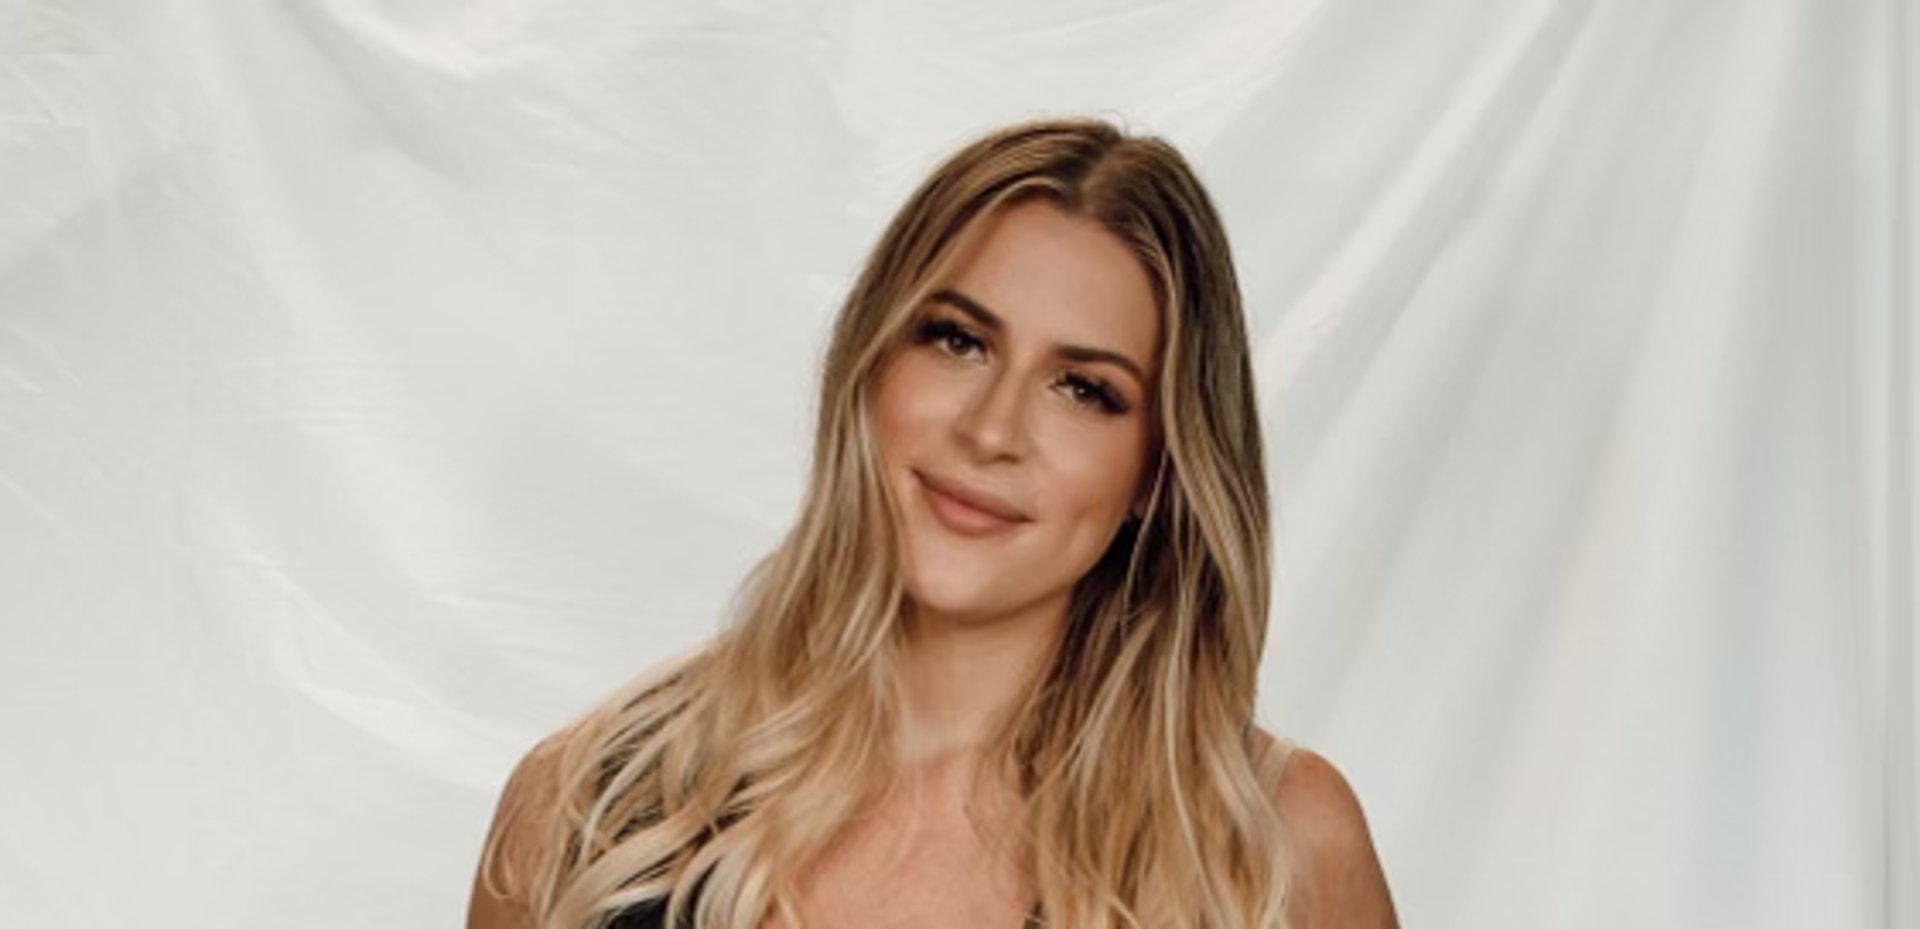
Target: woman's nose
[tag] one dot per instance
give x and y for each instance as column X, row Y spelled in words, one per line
column 991, row 426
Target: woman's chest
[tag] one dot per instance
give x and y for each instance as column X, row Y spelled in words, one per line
column 930, row 871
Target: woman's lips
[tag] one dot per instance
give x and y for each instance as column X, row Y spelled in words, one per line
column 960, row 517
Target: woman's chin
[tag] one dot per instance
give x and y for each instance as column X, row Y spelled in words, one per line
column 950, row 597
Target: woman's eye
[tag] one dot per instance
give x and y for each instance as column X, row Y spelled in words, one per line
column 952, row 338
column 1094, row 393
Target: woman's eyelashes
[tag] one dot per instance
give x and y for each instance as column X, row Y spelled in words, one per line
column 1102, row 396
column 955, row 339
column 946, row 334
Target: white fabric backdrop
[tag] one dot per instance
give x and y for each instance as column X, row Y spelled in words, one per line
column 381, row 382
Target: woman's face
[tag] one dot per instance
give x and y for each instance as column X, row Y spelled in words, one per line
column 1025, row 382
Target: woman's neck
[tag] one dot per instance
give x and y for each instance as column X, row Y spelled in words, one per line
column 960, row 676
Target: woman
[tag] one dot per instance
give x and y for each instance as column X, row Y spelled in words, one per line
column 1003, row 666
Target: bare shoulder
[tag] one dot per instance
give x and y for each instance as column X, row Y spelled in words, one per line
column 1339, row 880
column 513, row 842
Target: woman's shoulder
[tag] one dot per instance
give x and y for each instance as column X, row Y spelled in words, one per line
column 1340, row 873
column 1302, row 782
column 534, row 781
column 514, row 843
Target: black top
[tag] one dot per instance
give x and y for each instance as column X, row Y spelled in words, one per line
column 649, row 915
column 653, row 915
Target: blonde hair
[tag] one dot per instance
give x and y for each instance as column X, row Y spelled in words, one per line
column 728, row 770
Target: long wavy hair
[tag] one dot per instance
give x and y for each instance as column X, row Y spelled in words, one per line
column 708, row 783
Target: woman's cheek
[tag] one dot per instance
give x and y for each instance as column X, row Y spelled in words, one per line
column 1103, row 475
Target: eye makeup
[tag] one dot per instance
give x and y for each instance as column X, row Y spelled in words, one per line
column 955, row 339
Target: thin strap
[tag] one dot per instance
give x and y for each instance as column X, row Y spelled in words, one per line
column 1274, row 757
column 1284, row 746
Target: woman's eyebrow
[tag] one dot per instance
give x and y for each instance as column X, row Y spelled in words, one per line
column 986, row 317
